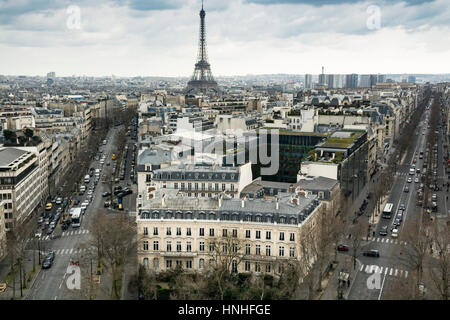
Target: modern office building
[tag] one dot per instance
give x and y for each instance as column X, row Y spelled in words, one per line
column 20, row 184
column 308, row 81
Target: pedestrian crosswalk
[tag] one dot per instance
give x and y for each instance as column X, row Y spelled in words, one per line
column 405, row 174
column 74, row 233
column 386, row 240
column 391, row 271
column 69, row 251
column 68, row 233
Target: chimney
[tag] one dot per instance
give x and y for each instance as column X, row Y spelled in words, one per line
column 277, row 205
column 220, row 201
column 243, row 202
column 163, row 200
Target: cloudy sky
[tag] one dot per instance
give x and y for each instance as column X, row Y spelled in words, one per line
column 160, row 37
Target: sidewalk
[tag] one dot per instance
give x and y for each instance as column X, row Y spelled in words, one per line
column 4, row 270
column 331, row 290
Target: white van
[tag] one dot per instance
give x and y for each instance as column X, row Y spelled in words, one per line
column 87, row 178
column 412, row 171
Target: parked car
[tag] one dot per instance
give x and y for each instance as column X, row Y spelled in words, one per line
column 342, row 247
column 107, row 204
column 402, row 206
column 371, row 253
column 406, row 189
column 47, row 263
column 48, row 206
column 106, row 194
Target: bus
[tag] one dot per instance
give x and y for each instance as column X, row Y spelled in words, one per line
column 387, row 212
column 76, row 217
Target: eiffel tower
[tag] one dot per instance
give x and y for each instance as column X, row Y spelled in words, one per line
column 202, row 80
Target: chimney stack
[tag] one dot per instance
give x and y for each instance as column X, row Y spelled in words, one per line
column 278, row 204
column 220, row 201
column 163, row 200
column 243, row 202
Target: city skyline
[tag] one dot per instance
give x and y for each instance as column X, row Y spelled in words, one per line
column 127, row 39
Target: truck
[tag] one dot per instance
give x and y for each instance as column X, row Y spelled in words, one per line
column 87, row 178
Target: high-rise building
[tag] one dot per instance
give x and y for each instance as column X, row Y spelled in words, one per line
column 412, row 79
column 351, row 80
column 373, row 80
column 322, row 79
column 308, row 81
column 381, row 78
column 364, row 81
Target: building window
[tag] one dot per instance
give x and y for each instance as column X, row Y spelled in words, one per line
column 234, row 266
column 168, row 264
column 281, row 236
column 202, row 232
column 267, row 250
column 155, row 245
column 188, row 231
column 189, row 264
column 224, row 232
column 292, row 237
column 257, row 267
column 234, row 248
column 268, row 268
column 211, row 247
column 234, row 233
column 155, row 263
column 216, row 187
column 223, row 186
column 178, row 231
column 258, row 250
column 169, row 246
column 232, row 187
column 146, row 263
column 202, row 246
column 145, row 231
column 247, row 266
column 201, row 263
column 188, row 247
column 155, row 231
column 211, row 232
column 189, row 186
column 281, row 252
column 267, row 235
column 247, row 234
column 224, row 248
column 258, row 234
column 196, row 186
column 203, row 186
column 145, row 245
column 179, row 263
column 175, row 185
column 178, row 246
column 182, row 186
column 291, row 252
column 169, row 232
column 247, row 249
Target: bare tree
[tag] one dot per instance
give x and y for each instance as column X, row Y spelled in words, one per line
column 440, row 269
column 225, row 254
column 115, row 242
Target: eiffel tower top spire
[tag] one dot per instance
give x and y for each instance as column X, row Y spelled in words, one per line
column 202, row 80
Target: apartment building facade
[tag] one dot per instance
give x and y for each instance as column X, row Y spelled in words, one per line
column 193, row 233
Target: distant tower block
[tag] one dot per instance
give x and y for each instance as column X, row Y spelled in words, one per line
column 202, row 80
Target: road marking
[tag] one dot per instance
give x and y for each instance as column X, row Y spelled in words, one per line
column 406, row 274
column 386, row 271
column 378, row 239
column 381, row 270
column 396, row 271
column 401, row 273
column 56, row 297
column 70, row 252
column 392, row 270
column 362, row 267
column 373, row 239
column 382, row 285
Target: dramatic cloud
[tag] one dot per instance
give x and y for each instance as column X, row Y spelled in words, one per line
column 139, row 37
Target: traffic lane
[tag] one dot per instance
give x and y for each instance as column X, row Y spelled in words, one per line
column 50, row 281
